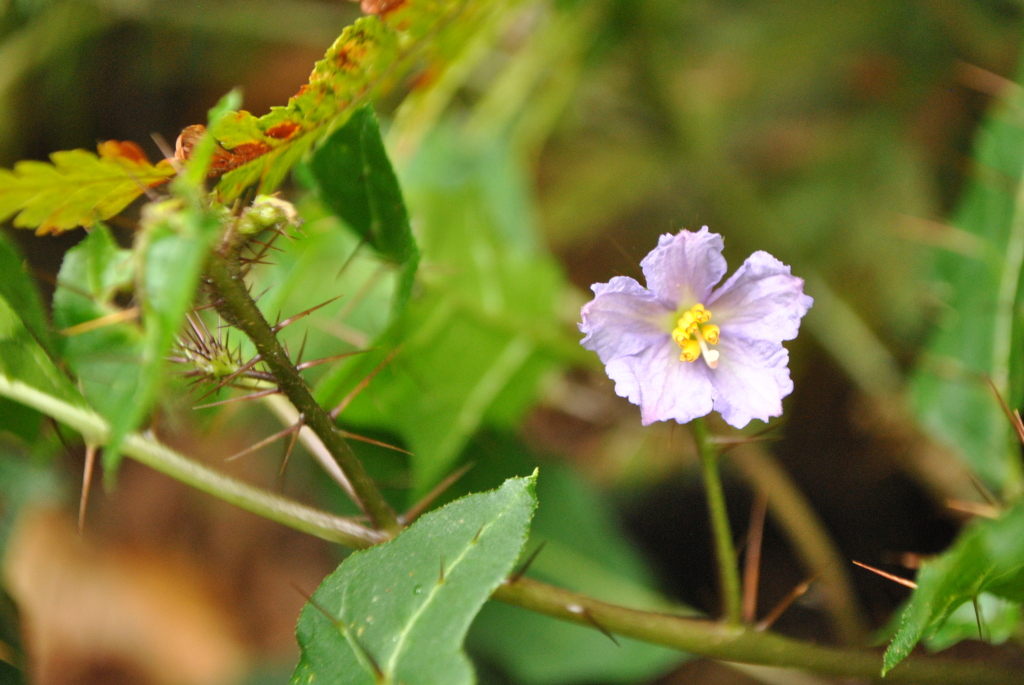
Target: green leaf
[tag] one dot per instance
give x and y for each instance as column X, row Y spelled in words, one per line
column 120, row 367
column 475, row 344
column 78, row 187
column 584, row 550
column 355, row 179
column 1000, row 619
column 22, row 358
column 173, row 249
column 18, row 289
column 368, row 58
column 981, row 329
column 987, row 557
column 105, row 360
column 19, row 293
column 400, row 611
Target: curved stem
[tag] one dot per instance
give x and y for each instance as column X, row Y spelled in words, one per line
column 744, row 644
column 147, row 450
column 728, row 572
column 716, row 640
column 240, row 309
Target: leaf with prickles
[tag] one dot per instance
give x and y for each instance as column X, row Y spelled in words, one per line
column 398, row 613
column 988, row 557
column 77, row 187
column 368, row 57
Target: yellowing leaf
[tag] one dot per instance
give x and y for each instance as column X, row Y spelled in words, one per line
column 78, row 188
column 367, row 57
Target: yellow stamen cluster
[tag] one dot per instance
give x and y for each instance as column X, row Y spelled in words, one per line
column 693, row 334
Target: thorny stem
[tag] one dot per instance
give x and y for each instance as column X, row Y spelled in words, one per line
column 739, row 643
column 239, row 308
column 147, row 450
column 711, row 639
column 728, row 573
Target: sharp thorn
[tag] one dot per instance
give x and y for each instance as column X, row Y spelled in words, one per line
column 292, row 319
column 291, row 444
column 267, row 440
column 90, row 461
column 166, row 151
column 253, row 396
column 521, row 571
column 316, row 605
column 1014, row 419
column 973, row 508
column 302, row 350
column 267, row 246
column 417, row 509
column 348, row 260
column 752, row 559
column 363, row 383
column 977, row 616
column 353, row 436
column 232, row 376
column 60, row 436
column 773, row 616
column 327, row 360
column 896, row 579
column 604, row 631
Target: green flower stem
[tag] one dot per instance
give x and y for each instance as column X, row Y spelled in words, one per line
column 711, row 639
column 728, row 572
column 240, row 309
column 147, row 450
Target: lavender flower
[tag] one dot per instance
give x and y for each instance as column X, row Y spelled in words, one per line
column 660, row 348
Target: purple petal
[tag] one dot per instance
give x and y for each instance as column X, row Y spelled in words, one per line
column 751, row 380
column 761, row 301
column 664, row 387
column 683, row 268
column 623, row 319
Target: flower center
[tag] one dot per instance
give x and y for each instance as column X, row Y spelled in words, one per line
column 693, row 334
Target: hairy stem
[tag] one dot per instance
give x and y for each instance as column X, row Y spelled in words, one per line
column 240, row 309
column 728, row 573
column 715, row 640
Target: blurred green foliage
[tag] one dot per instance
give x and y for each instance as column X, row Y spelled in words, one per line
column 834, row 136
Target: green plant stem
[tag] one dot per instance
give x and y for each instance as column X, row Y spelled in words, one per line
column 715, row 640
column 739, row 643
column 239, row 308
column 147, row 450
column 728, row 572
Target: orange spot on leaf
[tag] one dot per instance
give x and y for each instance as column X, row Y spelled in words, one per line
column 283, row 131
column 127, row 150
column 380, row 6
column 222, row 160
